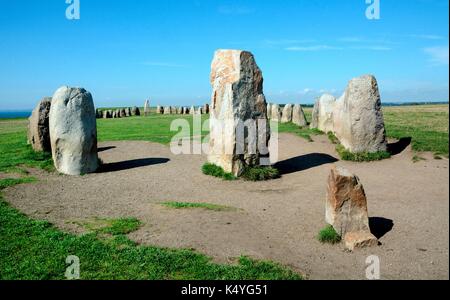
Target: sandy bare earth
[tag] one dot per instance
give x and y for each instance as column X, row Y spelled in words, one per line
column 276, row 220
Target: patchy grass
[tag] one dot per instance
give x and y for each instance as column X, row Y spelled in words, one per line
column 216, row 171
column 303, row 132
column 260, row 173
column 329, row 235
column 4, row 183
column 110, row 226
column 333, row 139
column 416, row 158
column 206, row 206
column 362, row 156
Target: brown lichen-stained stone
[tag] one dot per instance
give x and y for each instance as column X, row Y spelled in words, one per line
column 38, row 126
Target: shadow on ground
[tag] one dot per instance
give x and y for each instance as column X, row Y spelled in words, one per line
column 131, row 164
column 304, row 162
column 400, row 146
column 380, row 226
column 102, row 149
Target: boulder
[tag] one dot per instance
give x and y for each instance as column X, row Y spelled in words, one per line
column 237, row 99
column 286, row 116
column 346, row 207
column 298, row 116
column 106, row 114
column 38, row 126
column 358, row 117
column 359, row 239
column 276, row 113
column 73, row 131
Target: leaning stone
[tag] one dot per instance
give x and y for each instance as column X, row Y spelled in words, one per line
column 358, row 117
column 298, row 116
column 346, row 204
column 73, row 131
column 38, row 126
column 237, row 97
column 286, row 116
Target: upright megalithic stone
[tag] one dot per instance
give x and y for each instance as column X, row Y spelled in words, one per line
column 286, row 116
column 146, row 108
column 323, row 113
column 358, row 120
column 237, row 99
column 38, row 126
column 298, row 116
column 276, row 113
column 73, row 131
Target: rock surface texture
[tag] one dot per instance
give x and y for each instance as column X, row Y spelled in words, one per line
column 237, row 99
column 73, row 131
column 286, row 116
column 298, row 116
column 38, row 126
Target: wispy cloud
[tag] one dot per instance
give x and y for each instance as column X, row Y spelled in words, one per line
column 313, row 48
column 371, row 48
column 288, row 41
column 438, row 55
column 163, row 64
column 235, row 10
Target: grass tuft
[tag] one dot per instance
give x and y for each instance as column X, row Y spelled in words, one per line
column 216, row 171
column 362, row 156
column 260, row 173
column 329, row 235
column 333, row 139
column 188, row 205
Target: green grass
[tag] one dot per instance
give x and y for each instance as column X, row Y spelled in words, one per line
column 333, row 139
column 110, row 226
column 329, row 235
column 206, row 206
column 416, row 158
column 303, row 132
column 260, row 173
column 344, row 154
column 216, row 171
column 4, row 183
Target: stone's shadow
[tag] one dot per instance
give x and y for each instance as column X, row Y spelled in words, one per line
column 131, row 164
column 400, row 146
column 304, row 162
column 102, row 149
column 380, row 226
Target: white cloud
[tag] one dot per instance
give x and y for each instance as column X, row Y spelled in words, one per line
column 438, row 55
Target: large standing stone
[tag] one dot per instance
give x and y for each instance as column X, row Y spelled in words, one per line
column 73, row 131
column 123, row 113
column 135, row 111
column 146, row 108
column 200, row 110
column 286, row 116
column 237, row 97
column 38, row 126
column 346, row 208
column 358, row 117
column 315, row 115
column 298, row 116
column 276, row 113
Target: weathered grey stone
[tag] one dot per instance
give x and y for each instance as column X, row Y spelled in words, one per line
column 346, row 207
column 200, row 110
column 128, row 112
column 167, row 110
column 286, row 116
column 237, row 97
column 38, row 126
column 98, row 114
column 298, row 116
column 192, row 110
column 315, row 115
column 122, row 113
column 276, row 113
column 110, row 114
column 358, row 120
column 269, row 111
column 73, row 131
column 325, row 115
column 146, row 108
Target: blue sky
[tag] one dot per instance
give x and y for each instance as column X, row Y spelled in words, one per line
column 126, row 51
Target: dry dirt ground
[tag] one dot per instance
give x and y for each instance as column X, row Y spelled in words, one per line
column 276, row 220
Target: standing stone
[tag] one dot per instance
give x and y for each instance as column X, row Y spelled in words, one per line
column 38, row 126
column 73, row 131
column 135, row 111
column 146, row 108
column 98, row 114
column 298, row 116
column 206, row 109
column 110, row 114
column 192, row 110
column 200, row 110
column 237, row 97
column 269, row 111
column 128, row 112
column 117, row 113
column 276, row 113
column 358, row 117
column 346, row 209
column 167, row 110
column 315, row 115
column 286, row 116
column 325, row 113
column 106, row 114
column 122, row 113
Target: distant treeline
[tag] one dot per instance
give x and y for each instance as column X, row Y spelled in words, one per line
column 391, row 104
